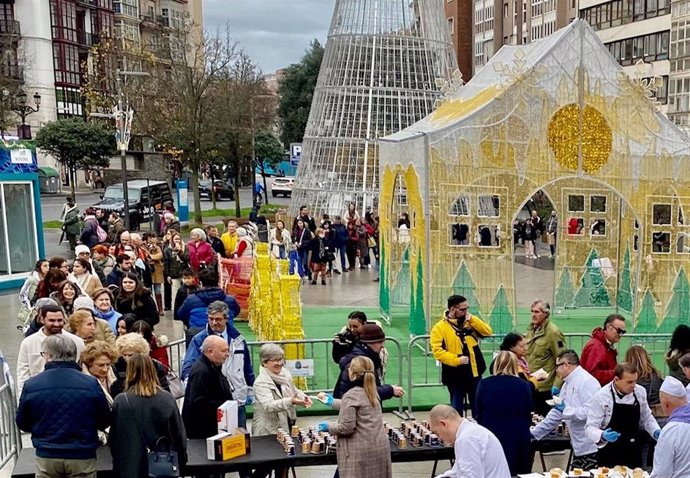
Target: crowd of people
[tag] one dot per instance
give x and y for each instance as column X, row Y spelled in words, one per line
column 91, row 370
column 612, row 408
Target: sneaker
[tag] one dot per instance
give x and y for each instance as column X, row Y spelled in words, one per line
column 323, row 282
column 336, row 271
column 313, row 282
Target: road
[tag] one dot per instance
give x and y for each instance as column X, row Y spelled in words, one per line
column 51, row 204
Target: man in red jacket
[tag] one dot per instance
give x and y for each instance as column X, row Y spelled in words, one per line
column 599, row 355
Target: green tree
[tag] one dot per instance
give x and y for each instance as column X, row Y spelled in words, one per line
column 625, row 290
column 501, row 319
column 564, row 291
column 464, row 286
column 77, row 144
column 679, row 305
column 593, row 292
column 646, row 319
column 296, row 90
column 269, row 151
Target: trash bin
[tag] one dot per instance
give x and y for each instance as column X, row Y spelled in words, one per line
column 49, row 180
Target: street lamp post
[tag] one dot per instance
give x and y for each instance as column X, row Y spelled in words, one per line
column 254, row 161
column 123, row 121
column 19, row 106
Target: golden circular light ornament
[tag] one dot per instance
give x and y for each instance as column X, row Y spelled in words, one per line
column 564, row 137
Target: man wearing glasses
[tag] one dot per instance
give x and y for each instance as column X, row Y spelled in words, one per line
column 237, row 368
column 455, row 343
column 578, row 388
column 599, row 356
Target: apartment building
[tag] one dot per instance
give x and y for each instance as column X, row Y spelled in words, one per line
column 514, row 22
column 640, row 30
column 460, row 26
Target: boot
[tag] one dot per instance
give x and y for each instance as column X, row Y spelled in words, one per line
column 159, row 304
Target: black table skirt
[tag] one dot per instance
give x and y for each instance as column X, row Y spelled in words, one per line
column 266, row 451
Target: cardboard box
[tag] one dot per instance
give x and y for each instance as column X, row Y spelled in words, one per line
column 227, row 416
column 226, row 446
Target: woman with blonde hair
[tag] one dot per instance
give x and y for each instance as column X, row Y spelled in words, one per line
column 127, row 346
column 363, row 450
column 143, row 416
column 97, row 359
column 510, row 419
column 83, row 324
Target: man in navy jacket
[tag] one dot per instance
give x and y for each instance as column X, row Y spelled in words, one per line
column 63, row 409
column 193, row 311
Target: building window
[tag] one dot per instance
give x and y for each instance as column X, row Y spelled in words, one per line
column 618, row 12
column 127, row 7
column 451, row 25
column 652, row 47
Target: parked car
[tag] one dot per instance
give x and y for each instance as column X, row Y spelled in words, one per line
column 219, row 187
column 145, row 197
column 282, row 186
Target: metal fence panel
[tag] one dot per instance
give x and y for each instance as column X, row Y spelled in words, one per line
column 419, row 356
column 319, row 350
column 10, row 437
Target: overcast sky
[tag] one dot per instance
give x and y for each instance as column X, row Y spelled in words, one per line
column 275, row 33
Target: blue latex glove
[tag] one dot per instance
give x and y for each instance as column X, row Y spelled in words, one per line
column 555, row 391
column 560, row 407
column 657, row 434
column 322, row 427
column 610, row 435
column 328, row 400
column 249, row 400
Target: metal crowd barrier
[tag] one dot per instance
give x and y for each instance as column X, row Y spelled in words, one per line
column 419, row 356
column 326, row 371
column 10, row 436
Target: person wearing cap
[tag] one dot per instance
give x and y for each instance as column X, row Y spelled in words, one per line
column 83, row 252
column 615, row 417
column 672, row 453
column 577, row 390
column 455, row 343
column 371, row 341
column 101, row 328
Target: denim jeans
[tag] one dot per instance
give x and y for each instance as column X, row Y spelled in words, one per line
column 295, row 259
column 464, row 392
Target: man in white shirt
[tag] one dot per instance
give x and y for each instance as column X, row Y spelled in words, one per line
column 577, row 390
column 478, row 453
column 30, row 361
column 616, row 415
column 672, row 453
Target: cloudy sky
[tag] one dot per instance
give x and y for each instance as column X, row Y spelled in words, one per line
column 275, row 33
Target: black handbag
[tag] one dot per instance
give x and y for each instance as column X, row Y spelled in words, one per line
column 161, row 463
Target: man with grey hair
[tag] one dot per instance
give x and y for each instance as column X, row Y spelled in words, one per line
column 478, row 453
column 237, row 368
column 30, row 362
column 672, row 454
column 63, row 409
column 544, row 342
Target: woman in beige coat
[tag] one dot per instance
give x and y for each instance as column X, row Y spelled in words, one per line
column 275, row 395
column 363, row 448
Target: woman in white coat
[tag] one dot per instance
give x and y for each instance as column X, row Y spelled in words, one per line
column 275, row 394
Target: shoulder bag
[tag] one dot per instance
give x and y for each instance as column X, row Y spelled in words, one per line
column 161, row 463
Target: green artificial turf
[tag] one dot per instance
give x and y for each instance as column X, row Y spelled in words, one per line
column 324, row 322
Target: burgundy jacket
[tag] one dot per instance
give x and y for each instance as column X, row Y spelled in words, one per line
column 599, row 357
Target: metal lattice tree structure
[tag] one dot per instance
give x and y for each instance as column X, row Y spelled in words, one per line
column 379, row 75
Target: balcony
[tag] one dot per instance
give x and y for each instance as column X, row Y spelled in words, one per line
column 157, row 20
column 9, row 27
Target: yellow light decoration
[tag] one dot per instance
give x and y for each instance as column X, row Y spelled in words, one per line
column 564, row 137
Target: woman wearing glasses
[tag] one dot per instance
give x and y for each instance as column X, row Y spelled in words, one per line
column 599, row 356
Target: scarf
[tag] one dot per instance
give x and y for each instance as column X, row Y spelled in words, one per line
column 287, row 388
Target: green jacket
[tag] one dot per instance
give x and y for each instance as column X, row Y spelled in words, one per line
column 71, row 222
column 543, row 346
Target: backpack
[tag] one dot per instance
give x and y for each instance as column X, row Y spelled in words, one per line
column 100, row 233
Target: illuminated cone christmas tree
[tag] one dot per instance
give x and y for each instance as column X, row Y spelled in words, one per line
column 378, row 76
